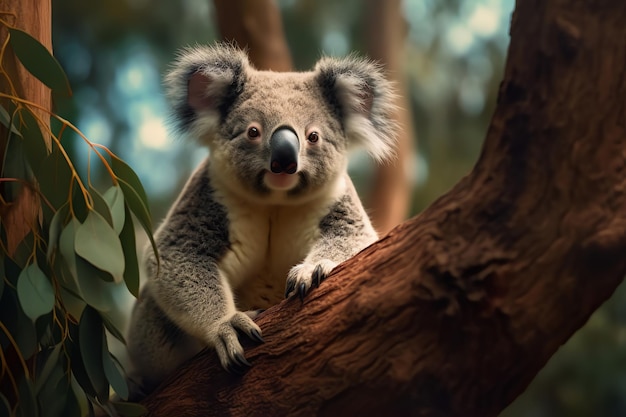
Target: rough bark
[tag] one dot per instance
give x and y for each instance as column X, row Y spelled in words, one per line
column 456, row 310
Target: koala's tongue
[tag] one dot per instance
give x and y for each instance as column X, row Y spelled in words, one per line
column 280, row 181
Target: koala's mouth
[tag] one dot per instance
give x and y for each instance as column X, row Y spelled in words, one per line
column 280, row 182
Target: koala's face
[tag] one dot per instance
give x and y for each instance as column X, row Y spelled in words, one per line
column 280, row 136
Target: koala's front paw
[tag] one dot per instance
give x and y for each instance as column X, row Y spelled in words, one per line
column 306, row 275
column 227, row 344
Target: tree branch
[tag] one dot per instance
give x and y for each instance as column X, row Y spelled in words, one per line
column 456, row 310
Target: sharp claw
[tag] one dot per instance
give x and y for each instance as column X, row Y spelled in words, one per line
column 242, row 361
column 291, row 285
column 318, row 275
column 302, row 291
column 256, row 335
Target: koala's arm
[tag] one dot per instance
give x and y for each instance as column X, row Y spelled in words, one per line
column 188, row 284
column 344, row 231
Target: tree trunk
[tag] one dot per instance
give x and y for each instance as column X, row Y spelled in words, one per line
column 455, row 311
column 34, row 17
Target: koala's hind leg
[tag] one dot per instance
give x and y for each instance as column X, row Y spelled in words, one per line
column 156, row 345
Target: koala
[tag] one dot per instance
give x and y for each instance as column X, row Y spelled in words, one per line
column 269, row 213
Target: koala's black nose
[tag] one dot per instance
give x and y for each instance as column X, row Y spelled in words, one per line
column 284, row 148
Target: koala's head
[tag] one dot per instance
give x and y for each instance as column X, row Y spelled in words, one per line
column 280, row 136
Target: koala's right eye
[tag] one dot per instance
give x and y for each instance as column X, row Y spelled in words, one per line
column 253, row 132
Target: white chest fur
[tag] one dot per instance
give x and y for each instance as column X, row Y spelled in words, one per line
column 265, row 243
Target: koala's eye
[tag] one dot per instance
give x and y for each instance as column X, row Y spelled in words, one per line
column 253, row 132
column 313, row 137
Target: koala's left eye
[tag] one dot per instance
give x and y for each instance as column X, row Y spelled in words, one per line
column 313, row 137
column 253, row 132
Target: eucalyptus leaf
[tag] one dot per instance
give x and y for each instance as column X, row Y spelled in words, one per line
column 88, row 280
column 81, row 384
column 54, row 177
column 35, row 147
column 51, row 362
column 53, row 392
column 21, row 328
column 6, row 121
column 129, row 246
column 14, row 166
column 35, row 292
column 101, row 205
column 114, row 197
column 97, row 243
column 112, row 328
column 130, row 409
column 39, row 61
column 125, row 173
column 140, row 211
column 56, row 226
column 94, row 288
column 114, row 374
column 66, row 246
column 91, row 340
column 27, row 406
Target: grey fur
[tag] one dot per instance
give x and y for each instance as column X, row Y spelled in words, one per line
column 238, row 235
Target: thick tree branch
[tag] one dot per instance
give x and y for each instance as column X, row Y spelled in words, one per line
column 455, row 311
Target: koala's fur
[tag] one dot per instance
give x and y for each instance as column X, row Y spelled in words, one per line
column 239, row 234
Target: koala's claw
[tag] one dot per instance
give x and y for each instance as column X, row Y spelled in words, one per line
column 256, row 336
column 291, row 285
column 318, row 276
column 303, row 277
column 228, row 348
column 302, row 291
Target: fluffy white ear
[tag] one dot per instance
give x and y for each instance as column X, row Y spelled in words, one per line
column 364, row 100
column 203, row 84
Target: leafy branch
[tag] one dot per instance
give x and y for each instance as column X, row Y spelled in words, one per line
column 58, row 287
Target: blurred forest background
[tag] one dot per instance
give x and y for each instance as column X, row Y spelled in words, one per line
column 115, row 52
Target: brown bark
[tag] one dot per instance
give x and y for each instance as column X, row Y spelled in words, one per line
column 456, row 310
column 34, row 17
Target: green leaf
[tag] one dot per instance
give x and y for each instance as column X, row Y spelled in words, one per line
column 51, row 363
column 88, row 280
column 53, row 392
column 126, row 174
column 115, row 199
column 39, row 61
column 21, row 328
column 6, row 120
column 97, row 243
column 66, row 246
column 81, row 384
column 34, row 145
column 14, row 166
column 27, row 406
column 35, row 292
column 112, row 328
column 91, row 340
column 130, row 409
column 54, row 177
column 141, row 212
column 73, row 406
column 56, row 225
column 101, row 205
column 129, row 246
column 114, row 374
